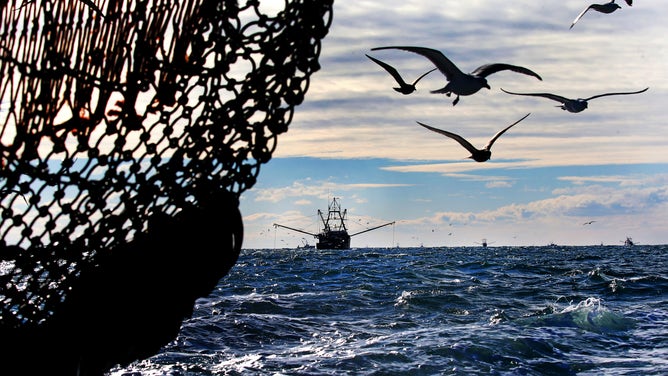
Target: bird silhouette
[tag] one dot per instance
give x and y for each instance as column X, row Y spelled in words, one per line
column 572, row 105
column 588, row 223
column 404, row 87
column 460, row 83
column 478, row 155
column 602, row 8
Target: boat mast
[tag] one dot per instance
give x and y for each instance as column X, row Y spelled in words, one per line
column 334, row 214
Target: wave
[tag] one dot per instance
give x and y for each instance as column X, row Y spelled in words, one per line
column 590, row 315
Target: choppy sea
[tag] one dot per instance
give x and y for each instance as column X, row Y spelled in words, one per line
column 430, row 311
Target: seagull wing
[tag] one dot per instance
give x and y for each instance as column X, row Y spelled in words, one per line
column 580, row 15
column 447, row 67
column 491, row 142
column 554, row 97
column 390, row 69
column 419, row 78
column 624, row 93
column 453, row 136
column 487, row 69
column 629, row 2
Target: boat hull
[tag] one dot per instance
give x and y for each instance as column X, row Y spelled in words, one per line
column 333, row 240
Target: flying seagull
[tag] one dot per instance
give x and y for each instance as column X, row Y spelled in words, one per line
column 404, row 87
column 588, row 223
column 572, row 105
column 478, row 155
column 603, row 8
column 460, row 83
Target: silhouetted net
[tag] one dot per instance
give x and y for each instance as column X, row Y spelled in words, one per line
column 128, row 131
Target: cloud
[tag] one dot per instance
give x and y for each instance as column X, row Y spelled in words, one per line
column 597, row 200
column 621, row 180
column 581, row 201
column 426, row 200
column 320, row 189
column 499, row 184
column 351, row 110
column 260, row 217
column 490, row 181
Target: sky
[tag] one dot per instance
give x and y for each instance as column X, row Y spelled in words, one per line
column 356, row 139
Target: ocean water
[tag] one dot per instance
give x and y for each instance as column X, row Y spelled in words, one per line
column 430, row 311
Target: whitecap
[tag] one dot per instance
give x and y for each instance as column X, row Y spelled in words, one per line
column 592, row 315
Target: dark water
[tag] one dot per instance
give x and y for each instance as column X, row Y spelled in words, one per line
column 430, row 311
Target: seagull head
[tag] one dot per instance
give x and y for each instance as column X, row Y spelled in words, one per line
column 484, row 83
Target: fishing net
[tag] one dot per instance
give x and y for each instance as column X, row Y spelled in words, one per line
column 128, row 131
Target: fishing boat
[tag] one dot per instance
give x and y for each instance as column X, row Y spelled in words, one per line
column 334, row 234
column 306, row 245
column 483, row 243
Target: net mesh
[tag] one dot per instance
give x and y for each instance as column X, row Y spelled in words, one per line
column 117, row 114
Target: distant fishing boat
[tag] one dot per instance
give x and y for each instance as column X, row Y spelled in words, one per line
column 334, row 234
column 306, row 245
column 483, row 243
